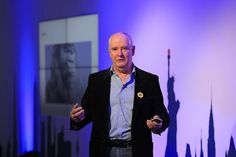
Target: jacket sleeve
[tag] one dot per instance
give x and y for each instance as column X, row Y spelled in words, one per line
column 86, row 103
column 159, row 107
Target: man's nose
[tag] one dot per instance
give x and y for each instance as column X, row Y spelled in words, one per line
column 120, row 52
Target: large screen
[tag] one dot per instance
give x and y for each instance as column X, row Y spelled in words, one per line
column 68, row 54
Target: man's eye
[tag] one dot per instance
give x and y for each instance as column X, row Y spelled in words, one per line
column 114, row 49
column 125, row 48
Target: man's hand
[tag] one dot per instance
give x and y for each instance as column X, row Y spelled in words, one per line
column 154, row 124
column 77, row 113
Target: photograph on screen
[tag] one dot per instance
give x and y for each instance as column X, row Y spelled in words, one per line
column 68, row 65
column 68, row 55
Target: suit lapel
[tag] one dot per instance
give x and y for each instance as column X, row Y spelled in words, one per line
column 138, row 93
column 106, row 88
column 105, row 112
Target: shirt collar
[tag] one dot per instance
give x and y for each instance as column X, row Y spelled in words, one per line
column 113, row 72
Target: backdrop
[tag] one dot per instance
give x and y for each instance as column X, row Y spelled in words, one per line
column 197, row 77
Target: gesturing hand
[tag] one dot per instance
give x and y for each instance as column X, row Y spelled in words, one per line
column 155, row 123
column 77, row 113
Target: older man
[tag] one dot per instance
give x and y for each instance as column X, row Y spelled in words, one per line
column 124, row 103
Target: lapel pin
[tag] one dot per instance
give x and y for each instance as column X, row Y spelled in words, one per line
column 140, row 94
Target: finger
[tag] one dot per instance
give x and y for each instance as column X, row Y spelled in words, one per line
column 150, row 124
column 77, row 114
column 155, row 123
column 75, row 110
column 75, row 106
column 81, row 117
column 157, row 119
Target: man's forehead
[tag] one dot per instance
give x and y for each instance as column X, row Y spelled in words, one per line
column 119, row 37
column 119, row 44
column 119, row 40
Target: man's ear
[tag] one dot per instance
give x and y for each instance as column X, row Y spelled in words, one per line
column 133, row 50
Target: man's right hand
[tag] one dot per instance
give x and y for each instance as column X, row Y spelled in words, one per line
column 77, row 113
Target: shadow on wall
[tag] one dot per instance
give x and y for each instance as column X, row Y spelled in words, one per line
column 173, row 107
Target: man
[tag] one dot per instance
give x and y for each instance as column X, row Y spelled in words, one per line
column 125, row 105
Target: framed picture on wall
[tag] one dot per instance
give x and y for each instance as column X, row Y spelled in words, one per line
column 68, row 54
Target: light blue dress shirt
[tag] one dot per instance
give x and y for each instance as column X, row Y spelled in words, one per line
column 121, row 106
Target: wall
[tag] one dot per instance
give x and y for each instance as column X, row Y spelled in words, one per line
column 201, row 38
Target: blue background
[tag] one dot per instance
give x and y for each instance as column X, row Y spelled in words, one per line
column 200, row 34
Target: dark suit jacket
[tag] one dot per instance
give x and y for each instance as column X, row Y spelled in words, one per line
column 96, row 105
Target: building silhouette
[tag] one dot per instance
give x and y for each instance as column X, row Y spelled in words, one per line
column 201, row 151
column 211, row 136
column 188, row 151
column 232, row 151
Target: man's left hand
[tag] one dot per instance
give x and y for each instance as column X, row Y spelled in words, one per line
column 154, row 124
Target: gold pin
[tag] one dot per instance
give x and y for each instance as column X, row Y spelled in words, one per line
column 140, row 94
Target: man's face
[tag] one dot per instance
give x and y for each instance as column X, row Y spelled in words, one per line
column 121, row 52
